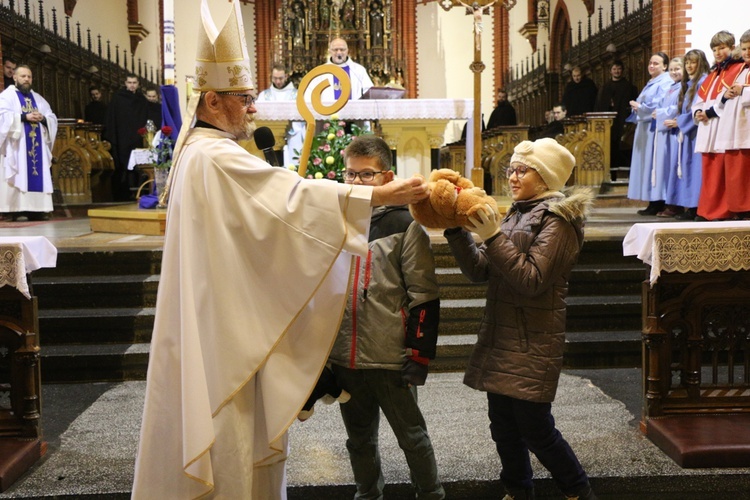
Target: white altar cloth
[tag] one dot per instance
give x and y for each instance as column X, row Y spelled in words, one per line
column 385, row 109
column 690, row 246
column 20, row 255
column 141, row 156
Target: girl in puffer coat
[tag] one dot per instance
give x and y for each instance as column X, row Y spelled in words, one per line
column 518, row 355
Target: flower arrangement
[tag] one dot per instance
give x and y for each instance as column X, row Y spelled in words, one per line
column 162, row 151
column 326, row 154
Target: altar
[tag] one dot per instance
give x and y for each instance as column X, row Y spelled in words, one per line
column 20, row 383
column 413, row 127
column 696, row 345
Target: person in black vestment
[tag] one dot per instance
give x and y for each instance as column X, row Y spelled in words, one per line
column 154, row 106
column 9, row 66
column 555, row 127
column 127, row 112
column 615, row 95
column 504, row 114
column 96, row 110
column 580, row 93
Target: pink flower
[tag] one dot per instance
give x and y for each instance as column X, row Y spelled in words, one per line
column 309, row 176
column 326, row 147
column 331, row 174
column 317, row 161
column 339, row 133
column 326, row 126
column 342, row 123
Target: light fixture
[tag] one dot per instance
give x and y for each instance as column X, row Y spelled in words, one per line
column 92, row 69
column 45, row 48
column 568, row 67
column 611, row 48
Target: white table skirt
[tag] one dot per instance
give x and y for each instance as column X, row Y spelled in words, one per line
column 20, row 255
column 690, row 246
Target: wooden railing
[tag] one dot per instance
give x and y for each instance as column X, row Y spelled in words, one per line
column 66, row 62
column 586, row 137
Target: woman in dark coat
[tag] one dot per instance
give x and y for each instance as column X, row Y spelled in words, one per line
column 518, row 355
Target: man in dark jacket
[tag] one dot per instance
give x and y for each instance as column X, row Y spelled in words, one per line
column 388, row 334
column 615, row 95
column 127, row 113
column 96, row 110
column 580, row 93
column 504, row 114
column 9, row 66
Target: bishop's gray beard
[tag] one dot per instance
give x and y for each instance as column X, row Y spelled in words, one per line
column 247, row 129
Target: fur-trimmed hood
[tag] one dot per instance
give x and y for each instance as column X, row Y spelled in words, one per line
column 572, row 205
column 576, row 204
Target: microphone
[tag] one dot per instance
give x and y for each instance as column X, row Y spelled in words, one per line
column 265, row 141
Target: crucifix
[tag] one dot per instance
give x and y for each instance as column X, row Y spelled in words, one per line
column 477, row 9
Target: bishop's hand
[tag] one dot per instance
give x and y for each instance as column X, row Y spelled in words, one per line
column 400, row 192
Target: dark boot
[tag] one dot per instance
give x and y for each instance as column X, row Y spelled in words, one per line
column 689, row 214
column 585, row 494
column 653, row 208
column 650, row 210
column 513, row 494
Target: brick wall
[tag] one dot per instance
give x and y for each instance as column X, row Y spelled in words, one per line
column 670, row 29
column 500, row 47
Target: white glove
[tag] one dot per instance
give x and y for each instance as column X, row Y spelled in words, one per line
column 488, row 224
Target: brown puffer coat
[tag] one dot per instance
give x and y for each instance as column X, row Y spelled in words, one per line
column 521, row 339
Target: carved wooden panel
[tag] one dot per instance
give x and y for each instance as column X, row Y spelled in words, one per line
column 305, row 29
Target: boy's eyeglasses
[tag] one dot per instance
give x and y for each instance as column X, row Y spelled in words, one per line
column 365, row 176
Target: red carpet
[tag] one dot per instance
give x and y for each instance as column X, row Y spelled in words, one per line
column 13, row 225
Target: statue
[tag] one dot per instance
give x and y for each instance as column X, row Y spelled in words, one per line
column 347, row 14
column 376, row 24
column 298, row 24
column 324, row 14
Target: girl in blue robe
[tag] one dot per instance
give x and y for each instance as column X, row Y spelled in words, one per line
column 666, row 139
column 642, row 185
column 686, row 188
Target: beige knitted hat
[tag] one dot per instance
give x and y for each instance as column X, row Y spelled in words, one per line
column 553, row 162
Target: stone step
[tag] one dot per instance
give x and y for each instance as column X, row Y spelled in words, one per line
column 94, row 363
column 103, row 263
column 95, row 291
column 123, row 361
column 95, row 326
column 609, row 349
column 96, row 312
column 585, row 279
column 585, row 313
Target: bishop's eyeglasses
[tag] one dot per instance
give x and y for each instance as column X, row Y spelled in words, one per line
column 249, row 99
column 519, row 171
column 366, row 176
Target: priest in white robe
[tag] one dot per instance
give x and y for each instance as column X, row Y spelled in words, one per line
column 338, row 51
column 282, row 89
column 28, row 128
column 253, row 284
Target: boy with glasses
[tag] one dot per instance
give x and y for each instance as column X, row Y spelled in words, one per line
column 388, row 333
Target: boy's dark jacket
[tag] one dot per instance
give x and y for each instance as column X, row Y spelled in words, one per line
column 391, row 317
